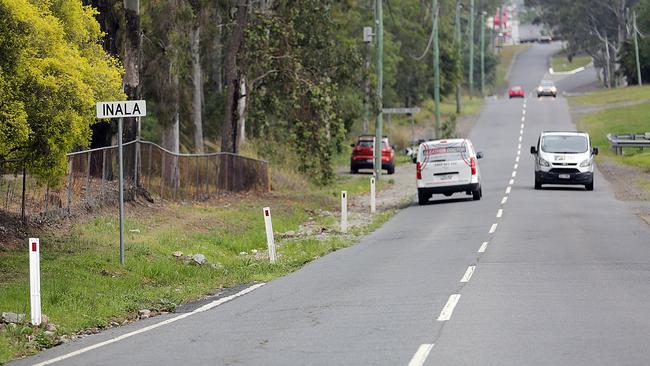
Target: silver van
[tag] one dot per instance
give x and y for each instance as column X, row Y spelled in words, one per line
column 564, row 157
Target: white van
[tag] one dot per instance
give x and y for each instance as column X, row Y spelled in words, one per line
column 446, row 167
column 564, row 157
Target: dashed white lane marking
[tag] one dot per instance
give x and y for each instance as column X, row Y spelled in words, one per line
column 154, row 326
column 514, row 174
column 483, row 247
column 521, row 132
column 493, row 228
column 519, row 147
column 517, row 159
column 504, row 200
column 524, row 111
column 523, row 119
column 468, row 274
column 516, row 167
column 446, row 312
column 522, row 126
column 512, row 181
column 520, row 138
column 508, row 189
column 499, row 213
column 421, row 355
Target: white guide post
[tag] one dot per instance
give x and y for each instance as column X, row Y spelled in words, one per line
column 35, row 280
column 373, row 202
column 344, row 211
column 270, row 241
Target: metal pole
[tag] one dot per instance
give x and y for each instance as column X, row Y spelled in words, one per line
column 121, row 187
column 636, row 50
column 483, row 54
column 366, row 100
column 458, row 40
column 471, row 48
column 436, row 65
column 379, row 22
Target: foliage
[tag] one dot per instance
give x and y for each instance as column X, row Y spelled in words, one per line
column 52, row 71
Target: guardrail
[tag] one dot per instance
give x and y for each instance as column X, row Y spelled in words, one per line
column 618, row 142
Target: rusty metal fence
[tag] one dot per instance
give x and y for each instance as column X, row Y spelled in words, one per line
column 149, row 170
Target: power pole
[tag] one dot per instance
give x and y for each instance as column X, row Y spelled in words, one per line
column 458, row 38
column 379, row 24
column 483, row 54
column 471, row 48
column 436, row 64
column 636, row 49
column 367, row 39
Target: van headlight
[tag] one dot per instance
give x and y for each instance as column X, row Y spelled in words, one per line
column 586, row 163
column 543, row 162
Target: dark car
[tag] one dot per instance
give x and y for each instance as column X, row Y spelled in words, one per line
column 362, row 154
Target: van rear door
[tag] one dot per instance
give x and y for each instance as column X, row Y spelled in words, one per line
column 446, row 164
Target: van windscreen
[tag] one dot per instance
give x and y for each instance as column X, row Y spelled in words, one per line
column 567, row 144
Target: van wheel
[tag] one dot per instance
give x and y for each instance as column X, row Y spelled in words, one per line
column 538, row 184
column 477, row 194
column 590, row 186
column 423, row 198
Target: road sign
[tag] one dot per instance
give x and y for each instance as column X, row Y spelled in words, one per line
column 119, row 110
column 401, row 110
column 129, row 108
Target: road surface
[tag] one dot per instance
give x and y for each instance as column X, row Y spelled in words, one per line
column 553, row 277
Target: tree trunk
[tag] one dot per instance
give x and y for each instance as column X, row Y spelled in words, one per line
column 241, row 114
column 171, row 137
column 197, row 81
column 131, row 75
column 229, row 128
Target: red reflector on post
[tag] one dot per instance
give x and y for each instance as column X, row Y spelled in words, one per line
column 33, row 246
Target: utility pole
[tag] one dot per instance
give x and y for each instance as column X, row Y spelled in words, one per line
column 379, row 26
column 436, row 64
column 367, row 39
column 471, row 48
column 483, row 54
column 636, row 49
column 457, row 38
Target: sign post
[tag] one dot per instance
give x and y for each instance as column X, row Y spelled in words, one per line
column 373, row 207
column 344, row 211
column 35, row 280
column 119, row 110
column 270, row 240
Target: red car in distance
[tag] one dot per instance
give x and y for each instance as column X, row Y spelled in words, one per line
column 516, row 92
column 362, row 154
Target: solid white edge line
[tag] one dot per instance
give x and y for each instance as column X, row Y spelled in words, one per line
column 504, row 200
column 448, row 310
column 499, row 213
column 483, row 247
column 468, row 274
column 421, row 355
column 153, row 326
column 493, row 228
column 508, row 189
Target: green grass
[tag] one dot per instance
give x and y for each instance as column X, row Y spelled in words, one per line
column 632, row 119
column 559, row 62
column 84, row 286
column 608, row 96
column 506, row 57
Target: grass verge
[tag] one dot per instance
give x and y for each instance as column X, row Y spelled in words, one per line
column 560, row 63
column 609, row 96
column 84, row 286
column 632, row 119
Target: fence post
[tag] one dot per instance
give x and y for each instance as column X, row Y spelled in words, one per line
column 162, row 174
column 70, row 177
column 88, row 162
column 103, row 172
column 22, row 204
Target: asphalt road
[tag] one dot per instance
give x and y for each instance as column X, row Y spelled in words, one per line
column 563, row 278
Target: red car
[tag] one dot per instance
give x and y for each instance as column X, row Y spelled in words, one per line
column 516, row 92
column 362, row 153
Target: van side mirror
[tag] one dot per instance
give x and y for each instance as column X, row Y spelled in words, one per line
column 533, row 150
column 594, row 151
column 479, row 155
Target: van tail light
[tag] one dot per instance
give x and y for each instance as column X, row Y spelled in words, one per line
column 472, row 164
column 418, row 171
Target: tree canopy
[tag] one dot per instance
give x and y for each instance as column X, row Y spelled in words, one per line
column 52, row 71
